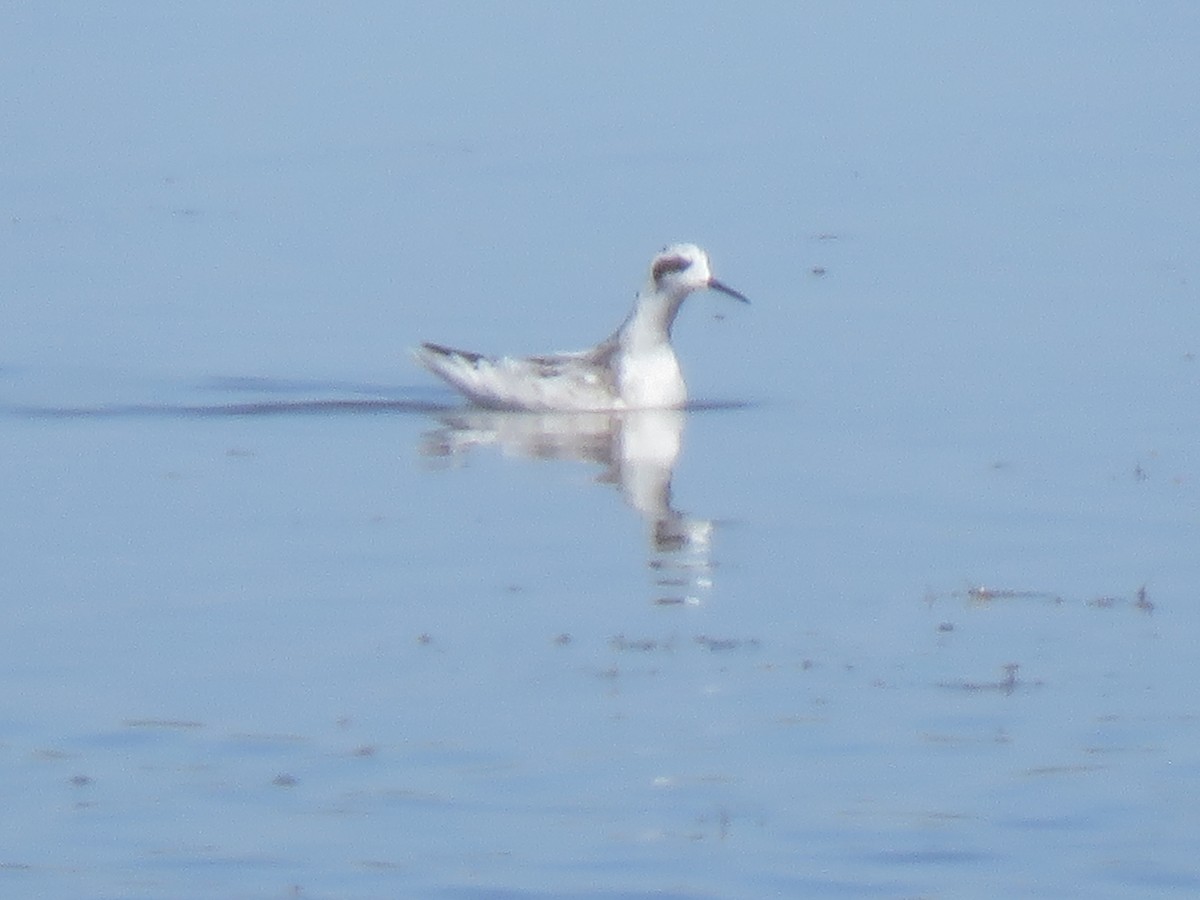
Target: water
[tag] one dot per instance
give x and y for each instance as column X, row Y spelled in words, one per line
column 917, row 616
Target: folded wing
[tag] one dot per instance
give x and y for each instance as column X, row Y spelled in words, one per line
column 581, row 381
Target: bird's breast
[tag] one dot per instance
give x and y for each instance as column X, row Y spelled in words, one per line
column 651, row 379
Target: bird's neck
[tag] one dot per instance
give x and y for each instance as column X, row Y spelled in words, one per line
column 649, row 325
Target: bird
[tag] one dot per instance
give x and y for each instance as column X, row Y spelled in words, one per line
column 634, row 368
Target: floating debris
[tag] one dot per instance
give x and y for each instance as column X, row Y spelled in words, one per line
column 620, row 643
column 1006, row 685
column 161, row 723
column 717, row 644
column 1143, row 602
column 982, row 595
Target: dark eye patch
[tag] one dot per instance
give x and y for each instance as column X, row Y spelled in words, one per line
column 669, row 264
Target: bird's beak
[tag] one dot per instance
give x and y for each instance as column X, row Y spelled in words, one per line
column 726, row 289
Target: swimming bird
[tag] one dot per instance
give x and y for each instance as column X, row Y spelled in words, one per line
column 635, row 368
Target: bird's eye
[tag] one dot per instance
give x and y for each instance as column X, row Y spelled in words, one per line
column 669, row 264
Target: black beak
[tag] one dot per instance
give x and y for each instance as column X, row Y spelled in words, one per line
column 726, row 289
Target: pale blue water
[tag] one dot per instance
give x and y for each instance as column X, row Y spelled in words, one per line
column 919, row 616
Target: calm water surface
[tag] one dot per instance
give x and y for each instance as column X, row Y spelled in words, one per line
column 905, row 607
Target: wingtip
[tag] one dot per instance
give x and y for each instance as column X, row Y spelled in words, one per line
column 429, row 350
column 430, row 357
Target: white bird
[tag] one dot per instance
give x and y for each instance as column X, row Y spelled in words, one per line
column 635, row 368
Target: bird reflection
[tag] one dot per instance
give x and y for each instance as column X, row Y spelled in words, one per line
column 638, row 450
